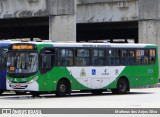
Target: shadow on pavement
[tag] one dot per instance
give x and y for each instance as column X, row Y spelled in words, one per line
column 73, row 95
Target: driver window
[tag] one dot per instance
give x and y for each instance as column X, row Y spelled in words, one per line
column 47, row 59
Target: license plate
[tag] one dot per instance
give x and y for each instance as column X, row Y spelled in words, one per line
column 18, row 86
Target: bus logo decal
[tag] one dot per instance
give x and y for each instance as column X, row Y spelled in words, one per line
column 150, row 71
column 93, row 71
column 83, row 73
column 105, row 72
column 15, row 80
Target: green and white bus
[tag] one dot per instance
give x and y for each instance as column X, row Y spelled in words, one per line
column 60, row 68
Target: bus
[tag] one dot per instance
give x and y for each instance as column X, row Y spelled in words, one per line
column 3, row 49
column 3, row 64
column 62, row 68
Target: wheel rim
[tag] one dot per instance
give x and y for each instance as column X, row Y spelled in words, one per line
column 122, row 86
column 62, row 88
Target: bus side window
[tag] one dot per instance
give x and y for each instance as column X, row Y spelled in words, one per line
column 142, row 57
column 65, row 57
column 124, row 57
column 131, row 57
column 46, row 61
column 152, row 56
column 110, row 57
column 98, row 57
column 139, row 57
column 81, row 57
column 117, row 57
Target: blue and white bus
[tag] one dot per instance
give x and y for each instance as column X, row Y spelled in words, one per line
column 3, row 50
column 3, row 63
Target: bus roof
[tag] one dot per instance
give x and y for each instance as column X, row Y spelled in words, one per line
column 91, row 45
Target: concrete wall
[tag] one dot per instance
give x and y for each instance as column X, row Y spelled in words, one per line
column 23, row 8
column 61, row 13
column 31, row 8
column 107, row 11
column 62, row 7
column 97, row 1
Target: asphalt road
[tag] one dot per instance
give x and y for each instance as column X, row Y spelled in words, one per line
column 137, row 98
column 140, row 98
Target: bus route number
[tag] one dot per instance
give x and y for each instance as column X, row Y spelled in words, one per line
column 150, row 71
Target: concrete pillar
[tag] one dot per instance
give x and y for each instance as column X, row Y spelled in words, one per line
column 149, row 21
column 62, row 20
column 62, row 28
column 149, row 31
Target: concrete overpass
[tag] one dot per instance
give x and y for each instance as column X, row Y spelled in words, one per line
column 81, row 20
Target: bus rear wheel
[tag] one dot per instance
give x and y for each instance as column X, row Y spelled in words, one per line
column 62, row 88
column 122, row 86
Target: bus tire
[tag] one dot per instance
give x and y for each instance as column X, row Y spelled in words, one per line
column 20, row 93
column 35, row 93
column 122, row 86
column 62, row 88
column 1, row 91
column 114, row 91
column 96, row 92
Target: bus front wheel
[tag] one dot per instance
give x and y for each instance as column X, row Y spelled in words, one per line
column 20, row 92
column 35, row 93
column 62, row 88
column 1, row 91
column 122, row 86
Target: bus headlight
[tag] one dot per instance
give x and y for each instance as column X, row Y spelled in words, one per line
column 33, row 80
column 7, row 80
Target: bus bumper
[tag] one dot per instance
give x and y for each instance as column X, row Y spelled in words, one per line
column 22, row 86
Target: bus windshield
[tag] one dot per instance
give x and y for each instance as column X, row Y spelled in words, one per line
column 22, row 62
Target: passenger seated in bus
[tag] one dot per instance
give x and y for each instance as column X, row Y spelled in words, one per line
column 152, row 60
column 138, row 62
column 146, row 60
